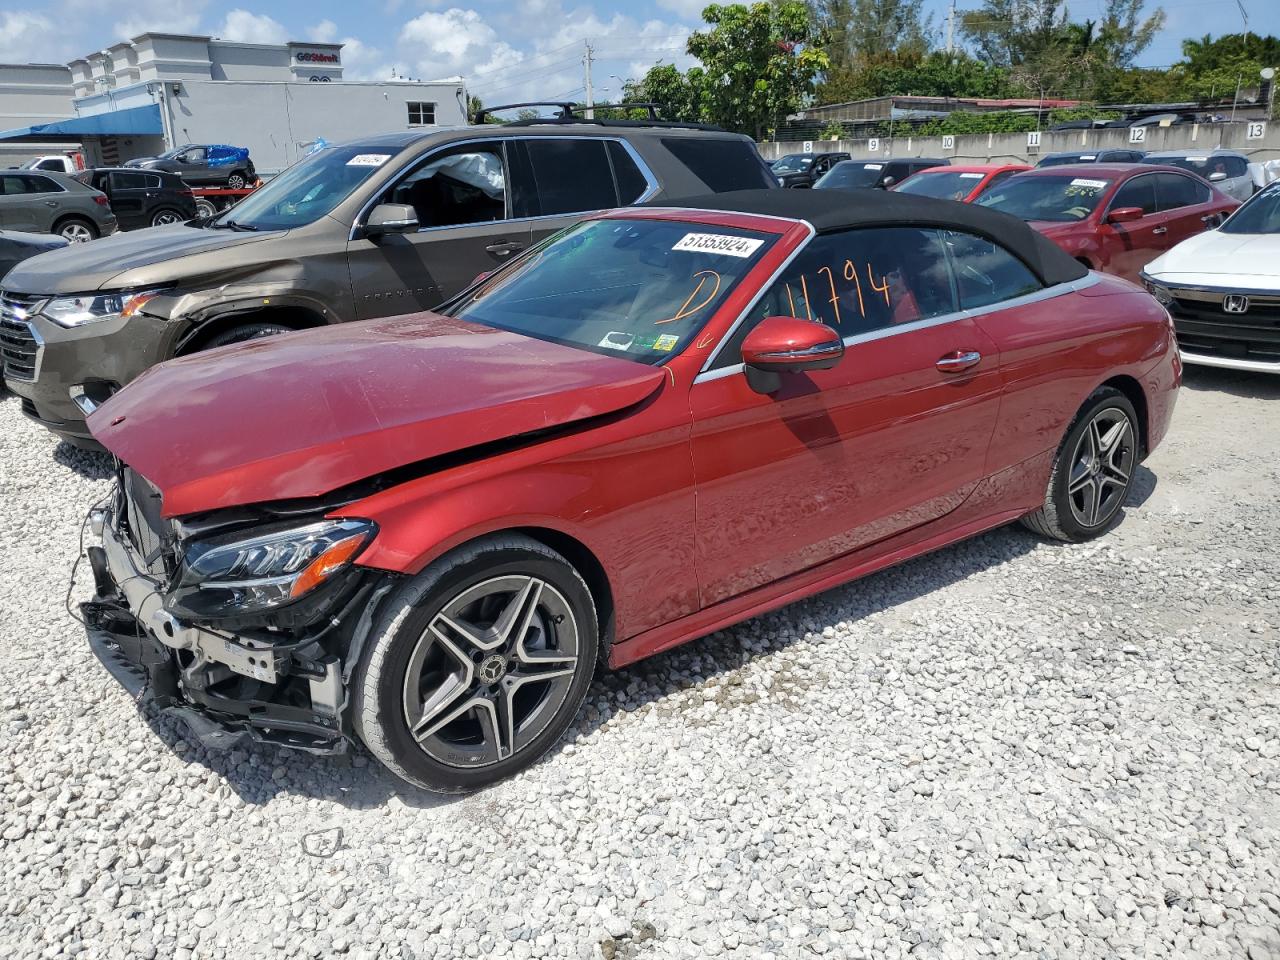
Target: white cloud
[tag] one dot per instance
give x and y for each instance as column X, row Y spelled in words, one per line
column 363, row 62
column 161, row 16
column 326, row 31
column 29, row 37
column 246, row 27
column 455, row 41
column 688, row 9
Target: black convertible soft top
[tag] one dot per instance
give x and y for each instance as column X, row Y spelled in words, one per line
column 832, row 210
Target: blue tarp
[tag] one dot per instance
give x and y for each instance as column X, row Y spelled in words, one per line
column 134, row 120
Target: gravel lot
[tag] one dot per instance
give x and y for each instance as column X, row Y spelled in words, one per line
column 1009, row 748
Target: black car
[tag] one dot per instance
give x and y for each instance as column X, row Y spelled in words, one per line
column 879, row 174
column 803, row 169
column 16, row 246
column 1091, row 156
column 209, row 164
column 143, row 198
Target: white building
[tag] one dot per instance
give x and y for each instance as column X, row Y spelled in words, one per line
column 162, row 90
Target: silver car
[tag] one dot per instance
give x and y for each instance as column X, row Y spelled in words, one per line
column 43, row 202
column 1225, row 169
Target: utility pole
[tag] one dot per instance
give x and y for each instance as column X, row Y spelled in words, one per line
column 586, row 75
column 951, row 27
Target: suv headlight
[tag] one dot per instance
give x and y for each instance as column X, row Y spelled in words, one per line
column 79, row 310
column 235, row 575
column 1161, row 293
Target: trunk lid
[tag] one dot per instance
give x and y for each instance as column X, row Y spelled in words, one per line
column 302, row 414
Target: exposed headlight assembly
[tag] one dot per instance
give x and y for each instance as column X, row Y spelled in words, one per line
column 91, row 307
column 235, row 575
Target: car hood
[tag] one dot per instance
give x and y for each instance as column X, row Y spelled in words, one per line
column 302, row 414
column 36, row 241
column 82, row 267
column 1214, row 257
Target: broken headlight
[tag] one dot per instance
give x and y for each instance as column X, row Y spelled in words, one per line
column 235, row 575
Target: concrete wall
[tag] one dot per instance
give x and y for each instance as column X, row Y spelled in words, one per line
column 34, row 93
column 276, row 120
column 1012, row 147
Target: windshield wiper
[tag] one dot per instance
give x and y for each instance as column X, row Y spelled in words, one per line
column 231, row 225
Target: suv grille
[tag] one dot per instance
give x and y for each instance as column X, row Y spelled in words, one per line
column 147, row 530
column 20, row 349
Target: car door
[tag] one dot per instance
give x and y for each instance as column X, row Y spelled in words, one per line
column 28, row 202
column 1131, row 246
column 128, row 194
column 463, row 203
column 557, row 180
column 193, row 165
column 1186, row 205
column 892, row 437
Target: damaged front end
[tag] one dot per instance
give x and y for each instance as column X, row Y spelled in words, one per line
column 245, row 623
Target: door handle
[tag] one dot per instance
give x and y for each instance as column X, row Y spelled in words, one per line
column 1212, row 218
column 957, row 361
column 504, row 248
column 1160, row 231
column 51, row 203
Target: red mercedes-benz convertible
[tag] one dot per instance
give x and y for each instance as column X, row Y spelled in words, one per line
column 423, row 532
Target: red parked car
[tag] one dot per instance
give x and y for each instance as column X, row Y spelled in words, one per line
column 1113, row 217
column 962, row 183
column 423, row 532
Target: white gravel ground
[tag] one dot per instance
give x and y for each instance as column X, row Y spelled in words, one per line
column 1009, row 748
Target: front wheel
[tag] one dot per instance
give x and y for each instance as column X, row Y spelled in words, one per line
column 236, row 181
column 477, row 666
column 76, row 230
column 1093, row 470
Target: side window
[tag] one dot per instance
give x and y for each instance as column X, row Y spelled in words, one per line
column 50, row 163
column 722, row 163
column 128, row 181
column 857, row 281
column 42, row 185
column 1174, row 191
column 1232, row 166
column 571, row 176
column 467, row 184
column 153, row 182
column 986, row 272
column 1138, row 192
column 631, row 181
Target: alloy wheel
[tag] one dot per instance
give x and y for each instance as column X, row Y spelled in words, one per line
column 1101, row 467
column 76, row 233
column 164, row 217
column 490, row 671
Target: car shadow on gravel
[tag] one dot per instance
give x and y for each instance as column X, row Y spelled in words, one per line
column 90, row 464
column 1238, row 383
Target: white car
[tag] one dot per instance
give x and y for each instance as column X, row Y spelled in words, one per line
column 1222, row 288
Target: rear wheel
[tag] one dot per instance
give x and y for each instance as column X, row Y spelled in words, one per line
column 248, row 331
column 1093, row 470
column 162, row 217
column 236, row 181
column 75, row 229
column 477, row 666
column 205, row 208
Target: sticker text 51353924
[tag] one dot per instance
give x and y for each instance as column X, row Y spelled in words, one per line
column 718, row 243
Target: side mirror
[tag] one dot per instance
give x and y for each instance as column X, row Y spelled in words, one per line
column 1217, row 176
column 788, row 345
column 1125, row 215
column 388, row 218
column 888, row 182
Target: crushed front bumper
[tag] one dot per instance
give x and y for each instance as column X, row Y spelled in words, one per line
column 183, row 669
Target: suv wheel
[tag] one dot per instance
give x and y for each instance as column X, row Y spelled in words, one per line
column 250, row 331
column 162, row 217
column 76, row 230
column 477, row 666
column 236, row 181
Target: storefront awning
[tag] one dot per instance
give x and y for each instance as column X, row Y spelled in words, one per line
column 134, row 120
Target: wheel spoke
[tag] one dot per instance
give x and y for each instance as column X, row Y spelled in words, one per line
column 1091, row 496
column 480, row 639
column 518, row 613
column 1110, row 442
column 430, row 726
column 1081, row 477
column 492, row 729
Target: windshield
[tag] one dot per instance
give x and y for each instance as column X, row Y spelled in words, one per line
column 951, row 185
column 793, row 163
column 1062, row 159
column 1198, row 164
column 1064, row 199
column 1260, row 213
column 309, row 189
column 850, row 173
column 639, row 289
column 170, row 154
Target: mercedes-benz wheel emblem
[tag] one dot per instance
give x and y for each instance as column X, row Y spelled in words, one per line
column 492, row 669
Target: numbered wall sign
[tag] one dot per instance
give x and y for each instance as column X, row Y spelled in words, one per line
column 808, row 146
column 873, row 145
column 1033, row 138
column 948, row 142
column 1137, row 134
column 1256, row 130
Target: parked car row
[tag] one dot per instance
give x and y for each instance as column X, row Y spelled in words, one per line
column 424, row 530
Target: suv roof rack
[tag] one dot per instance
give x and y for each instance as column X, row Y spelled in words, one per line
column 571, row 113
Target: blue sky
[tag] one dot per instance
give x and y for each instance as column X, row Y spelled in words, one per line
column 507, row 49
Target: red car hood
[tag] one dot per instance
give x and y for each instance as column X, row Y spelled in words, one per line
column 301, row 414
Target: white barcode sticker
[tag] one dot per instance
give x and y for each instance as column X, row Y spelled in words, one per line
column 972, row 176
column 1091, row 184
column 718, row 243
column 368, row 159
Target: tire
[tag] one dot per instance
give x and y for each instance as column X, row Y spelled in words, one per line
column 1092, row 472
column 249, row 331
column 417, row 672
column 76, row 229
column 165, row 216
column 236, row 181
column 205, row 208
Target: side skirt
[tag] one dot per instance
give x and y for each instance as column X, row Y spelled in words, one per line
column 800, row 585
